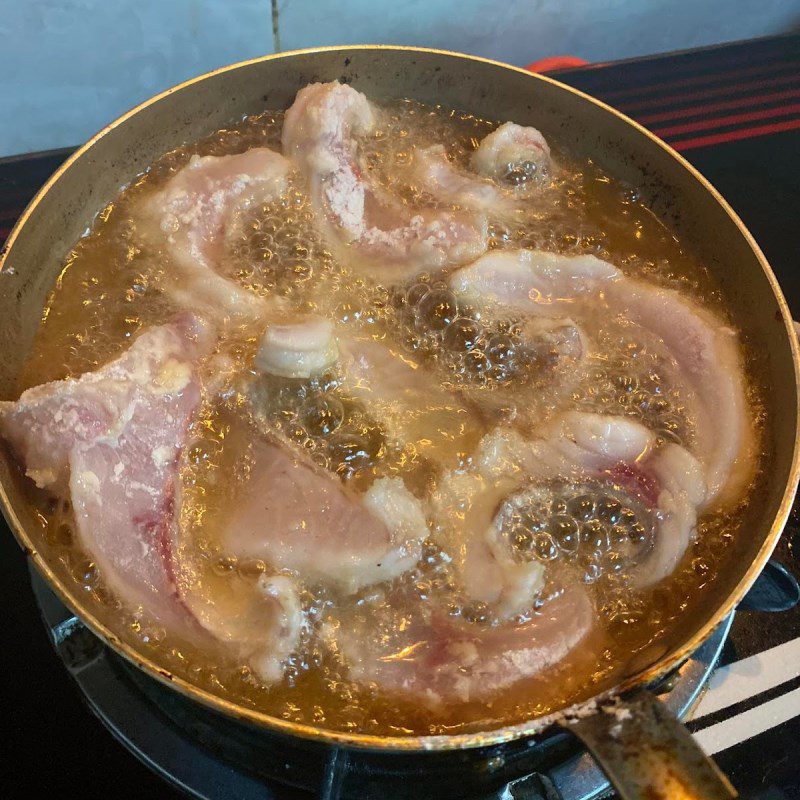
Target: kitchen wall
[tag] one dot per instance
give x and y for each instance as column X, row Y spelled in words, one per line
column 69, row 66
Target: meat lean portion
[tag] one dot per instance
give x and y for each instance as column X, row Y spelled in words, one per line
column 373, row 231
column 407, row 399
column 111, row 441
column 197, row 210
column 299, row 517
column 443, row 661
column 505, row 167
column 706, row 364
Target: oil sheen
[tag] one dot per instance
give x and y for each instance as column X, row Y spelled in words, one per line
column 109, row 289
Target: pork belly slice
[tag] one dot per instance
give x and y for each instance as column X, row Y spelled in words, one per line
column 464, row 510
column 506, row 168
column 579, row 447
column 444, row 661
column 111, row 442
column 410, row 401
column 198, row 212
column 531, row 282
column 468, row 503
column 297, row 516
column 436, row 175
column 708, row 359
column 370, row 229
column 260, row 625
column 707, row 363
column 297, row 346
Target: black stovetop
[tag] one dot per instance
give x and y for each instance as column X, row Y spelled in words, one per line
column 734, row 112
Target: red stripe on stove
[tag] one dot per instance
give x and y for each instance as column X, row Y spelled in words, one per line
column 750, row 100
column 731, row 119
column 733, row 136
column 709, row 77
column 720, row 90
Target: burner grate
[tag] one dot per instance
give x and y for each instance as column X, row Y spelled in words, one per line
column 211, row 756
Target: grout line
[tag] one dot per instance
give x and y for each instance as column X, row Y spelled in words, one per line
column 276, row 33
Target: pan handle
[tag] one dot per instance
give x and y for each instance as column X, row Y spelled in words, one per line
column 647, row 754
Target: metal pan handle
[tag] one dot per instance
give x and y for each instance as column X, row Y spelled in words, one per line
column 647, row 754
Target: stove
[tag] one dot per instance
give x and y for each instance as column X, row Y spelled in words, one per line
column 725, row 109
column 208, row 756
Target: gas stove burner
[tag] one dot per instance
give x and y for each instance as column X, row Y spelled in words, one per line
column 210, row 756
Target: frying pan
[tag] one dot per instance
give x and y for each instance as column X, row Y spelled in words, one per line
column 645, row 753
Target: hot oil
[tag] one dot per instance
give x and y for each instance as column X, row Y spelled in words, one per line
column 108, row 290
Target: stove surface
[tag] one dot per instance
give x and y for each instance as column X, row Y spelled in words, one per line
column 725, row 109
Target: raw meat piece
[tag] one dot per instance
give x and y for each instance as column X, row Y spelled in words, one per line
column 111, row 442
column 299, row 517
column 707, row 364
column 512, row 152
column 374, row 232
column 506, row 165
column 445, row 661
column 197, row 211
column 581, row 447
column 297, row 346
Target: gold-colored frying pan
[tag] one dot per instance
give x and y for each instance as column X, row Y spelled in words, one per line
column 646, row 754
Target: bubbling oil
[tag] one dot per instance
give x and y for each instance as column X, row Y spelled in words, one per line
column 109, row 289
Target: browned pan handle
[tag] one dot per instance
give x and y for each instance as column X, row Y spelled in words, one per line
column 647, row 754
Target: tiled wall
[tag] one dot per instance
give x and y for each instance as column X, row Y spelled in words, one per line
column 69, row 66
